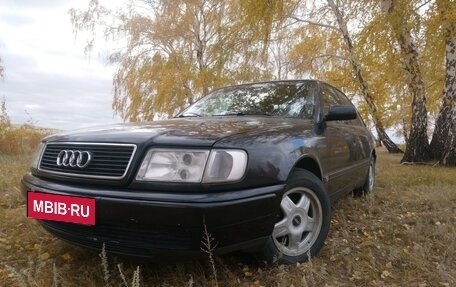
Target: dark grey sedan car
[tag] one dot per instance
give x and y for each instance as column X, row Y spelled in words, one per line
column 257, row 165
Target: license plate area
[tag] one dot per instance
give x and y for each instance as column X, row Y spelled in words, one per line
column 65, row 208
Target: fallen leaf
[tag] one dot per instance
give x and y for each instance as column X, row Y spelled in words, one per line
column 385, row 274
column 356, row 276
column 45, row 256
column 66, row 256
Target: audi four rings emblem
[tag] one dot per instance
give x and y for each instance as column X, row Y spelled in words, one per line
column 74, row 158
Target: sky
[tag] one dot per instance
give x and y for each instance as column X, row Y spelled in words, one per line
column 49, row 81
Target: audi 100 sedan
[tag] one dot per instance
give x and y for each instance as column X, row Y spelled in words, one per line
column 256, row 165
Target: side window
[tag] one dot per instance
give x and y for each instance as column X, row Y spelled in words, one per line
column 343, row 99
column 331, row 96
column 328, row 99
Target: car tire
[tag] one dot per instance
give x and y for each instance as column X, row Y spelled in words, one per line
column 303, row 221
column 369, row 181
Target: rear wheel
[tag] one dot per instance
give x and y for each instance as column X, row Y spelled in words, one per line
column 369, row 181
column 303, row 221
column 370, row 178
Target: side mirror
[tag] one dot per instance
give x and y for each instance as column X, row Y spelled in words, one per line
column 341, row 113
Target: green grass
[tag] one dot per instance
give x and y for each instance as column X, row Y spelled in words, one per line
column 402, row 235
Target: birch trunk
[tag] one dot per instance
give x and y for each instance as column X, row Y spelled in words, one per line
column 417, row 144
column 383, row 136
column 447, row 115
column 443, row 144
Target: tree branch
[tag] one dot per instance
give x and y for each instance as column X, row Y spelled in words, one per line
column 314, row 23
column 422, row 5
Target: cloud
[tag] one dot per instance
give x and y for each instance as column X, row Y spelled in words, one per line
column 15, row 19
column 32, row 4
column 48, row 77
column 57, row 100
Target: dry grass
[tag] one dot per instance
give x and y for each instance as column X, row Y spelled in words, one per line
column 402, row 235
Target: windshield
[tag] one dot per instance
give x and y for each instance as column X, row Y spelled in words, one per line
column 285, row 99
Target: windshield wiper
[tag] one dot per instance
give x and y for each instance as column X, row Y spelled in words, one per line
column 244, row 114
column 230, row 114
column 189, row 114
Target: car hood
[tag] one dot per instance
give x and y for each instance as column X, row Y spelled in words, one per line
column 178, row 131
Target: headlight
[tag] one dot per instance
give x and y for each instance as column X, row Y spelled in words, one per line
column 173, row 165
column 37, row 156
column 225, row 165
column 169, row 165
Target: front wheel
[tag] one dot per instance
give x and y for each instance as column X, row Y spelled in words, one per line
column 303, row 221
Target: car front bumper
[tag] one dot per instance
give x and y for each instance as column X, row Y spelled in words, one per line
column 150, row 224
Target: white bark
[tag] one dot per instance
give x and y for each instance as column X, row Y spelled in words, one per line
column 418, row 144
column 449, row 100
column 342, row 27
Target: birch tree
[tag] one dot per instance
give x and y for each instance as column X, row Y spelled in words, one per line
column 443, row 144
column 389, row 144
column 417, row 149
column 331, row 39
column 176, row 51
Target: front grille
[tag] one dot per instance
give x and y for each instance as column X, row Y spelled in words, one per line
column 108, row 161
column 122, row 239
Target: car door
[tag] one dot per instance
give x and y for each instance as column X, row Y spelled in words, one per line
column 360, row 147
column 345, row 157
